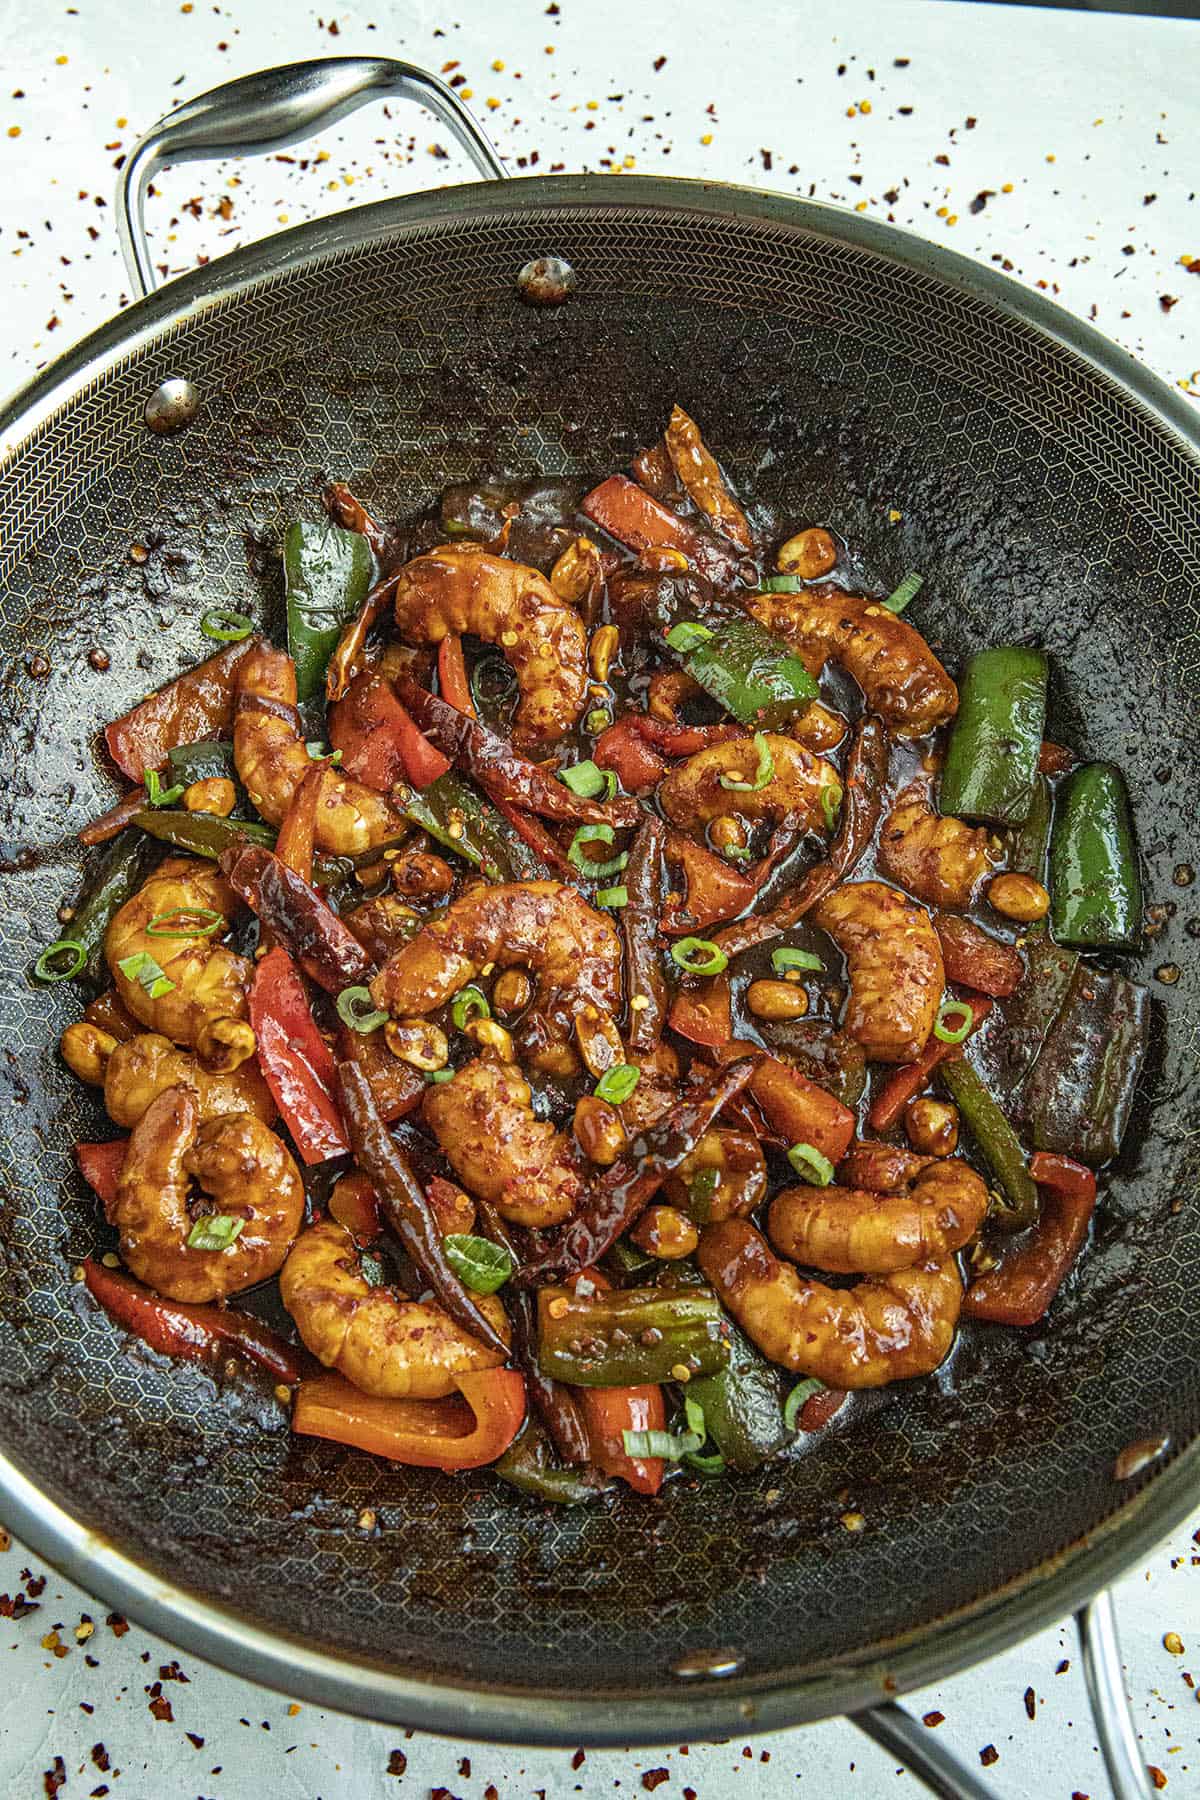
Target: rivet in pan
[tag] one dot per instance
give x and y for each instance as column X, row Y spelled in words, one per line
column 711, row 1663
column 173, row 404
column 546, row 281
column 1138, row 1456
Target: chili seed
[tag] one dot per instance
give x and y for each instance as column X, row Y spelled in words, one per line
column 38, row 666
column 1167, row 973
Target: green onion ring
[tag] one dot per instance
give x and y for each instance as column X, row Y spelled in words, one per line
column 616, row 1084
column 594, row 834
column 350, row 1003
column 803, row 1391
column 225, row 626
column 685, row 952
column 953, row 1034
column 763, row 772
column 787, row 958
column 831, row 800
column 810, row 1165
column 908, row 589
column 469, row 1003
column 212, row 922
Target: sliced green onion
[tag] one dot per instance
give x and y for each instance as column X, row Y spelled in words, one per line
column 803, row 1390
column 909, row 588
column 616, row 1084
column 810, row 1165
column 319, row 752
column 762, row 774
column 356, row 1009
column 599, row 719
column 614, row 896
column 208, row 922
column 585, row 779
column 79, row 956
column 479, row 1264
column 713, row 1464
column 594, row 834
column 699, row 956
column 143, row 969
column 226, row 626
column 787, row 958
column 437, row 1076
column 703, row 1184
column 469, row 1003
column 831, row 800
column 214, row 1231
column 781, row 584
column 492, row 682
column 672, row 1445
column 687, row 635
column 156, row 794
column 737, row 853
column 953, row 1034
column 693, row 1412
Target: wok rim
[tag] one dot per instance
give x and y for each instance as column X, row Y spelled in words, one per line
column 926, row 1653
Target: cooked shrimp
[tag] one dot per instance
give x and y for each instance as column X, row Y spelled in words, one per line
column 657, row 1089
column 852, row 1231
column 485, row 1124
column 899, row 675
column 460, row 588
column 692, row 794
column 726, row 1174
column 886, row 1328
column 234, row 1159
column 939, row 859
column 881, row 1168
column 571, row 951
column 272, row 760
column 377, row 1337
column 137, row 1072
column 668, row 691
column 210, row 982
column 894, row 962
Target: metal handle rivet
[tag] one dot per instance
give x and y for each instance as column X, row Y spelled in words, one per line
column 173, row 404
column 546, row 281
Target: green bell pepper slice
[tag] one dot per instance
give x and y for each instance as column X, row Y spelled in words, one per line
column 206, row 834
column 630, row 1336
column 529, row 1464
column 996, row 739
column 210, row 760
column 1095, row 886
column 752, row 674
column 997, row 1143
column 327, row 573
column 742, row 1406
column 1078, row 1096
column 117, row 877
column 461, row 820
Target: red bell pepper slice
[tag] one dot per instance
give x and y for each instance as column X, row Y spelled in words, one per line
column 198, row 704
column 622, row 749
column 607, row 1413
column 379, row 741
column 297, row 833
column 447, row 1434
column 704, row 1015
column 295, row 1059
column 801, row 1110
column 714, row 890
column 634, row 517
column 196, row 1332
column 1055, row 759
column 101, row 1165
column 902, row 1084
column 1018, row 1291
column 974, row 959
column 452, row 676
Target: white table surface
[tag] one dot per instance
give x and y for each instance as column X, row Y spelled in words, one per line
column 1085, row 129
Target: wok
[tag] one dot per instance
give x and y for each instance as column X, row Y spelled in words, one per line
column 1048, row 489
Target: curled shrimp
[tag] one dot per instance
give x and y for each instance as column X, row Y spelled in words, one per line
column 377, row 1337
column 852, row 1231
column 885, row 1328
column 692, row 794
column 239, row 1164
column 571, row 951
column 485, row 1125
column 209, row 982
column 725, row 1175
column 461, row 588
column 939, row 859
column 894, row 962
column 901, row 679
column 272, row 760
column 141, row 1069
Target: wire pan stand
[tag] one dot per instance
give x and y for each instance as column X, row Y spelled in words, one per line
column 264, row 112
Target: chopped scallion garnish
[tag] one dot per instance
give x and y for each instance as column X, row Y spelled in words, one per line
column 786, row 958
column 225, row 626
column 810, row 1165
column 62, row 947
column 613, row 896
column 908, row 589
column 831, row 800
column 214, row 1231
column 586, row 780
column 688, row 635
column 947, row 1033
column 577, row 854
column 699, row 956
column 673, row 1446
column 781, row 584
column 156, row 794
column 185, row 922
column 616, row 1084
column 469, row 1003
column 764, row 770
column 356, row 1009
column 148, row 974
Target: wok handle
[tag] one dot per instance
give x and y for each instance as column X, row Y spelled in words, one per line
column 264, row 112
column 897, row 1732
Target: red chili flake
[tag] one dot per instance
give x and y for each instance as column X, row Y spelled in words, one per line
column 491, row 1791
column 1063, row 1666
column 464, row 1767
column 171, row 1672
column 981, row 199
column 767, row 159
column 194, row 1739
column 653, row 1778
column 87, row 1707
column 578, row 1760
column 55, row 1778
column 16, row 1606
column 1167, row 301
column 101, row 1758
column 442, row 1793
column 942, row 158
column 34, row 1584
column 159, row 1705
column 332, row 28
column 658, row 63
column 747, row 1752
column 1030, row 1703
column 117, row 1623
column 989, row 1755
column 1156, row 1776
column 689, row 1793
column 98, row 1793
column 933, row 1718
column 397, row 1763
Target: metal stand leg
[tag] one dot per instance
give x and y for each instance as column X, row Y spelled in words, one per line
column 1097, row 1626
column 899, row 1734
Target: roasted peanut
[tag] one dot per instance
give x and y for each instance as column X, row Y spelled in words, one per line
column 216, row 795
column 665, row 1232
column 575, row 570
column 819, row 727
column 109, row 1014
column 417, row 1042
column 225, row 1044
column 512, row 993
column 419, row 874
column 601, row 650
column 809, row 554
column 931, row 1126
column 490, row 1035
column 659, row 557
column 599, row 1130
column 599, row 1040
column 85, row 1049
column 726, row 832
column 1018, row 897
column 776, row 1000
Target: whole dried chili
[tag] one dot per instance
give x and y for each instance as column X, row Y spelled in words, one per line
column 640, row 915
column 403, row 1204
column 975, row 959
column 297, row 917
column 199, row 1333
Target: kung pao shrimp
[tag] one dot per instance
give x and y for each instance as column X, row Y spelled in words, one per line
column 604, row 978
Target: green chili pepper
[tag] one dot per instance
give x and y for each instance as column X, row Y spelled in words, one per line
column 752, row 674
column 992, row 756
column 1095, row 887
column 451, row 811
column 205, row 834
column 627, row 1264
column 997, row 1143
column 1079, row 1093
column 118, row 876
column 629, row 1336
column 741, row 1405
column 211, row 760
column 327, row 573
column 529, row 1464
